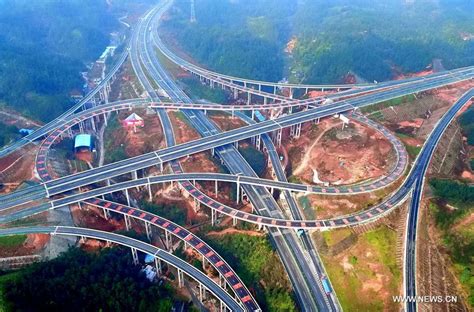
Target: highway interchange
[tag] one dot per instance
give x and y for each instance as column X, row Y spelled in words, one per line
column 305, row 272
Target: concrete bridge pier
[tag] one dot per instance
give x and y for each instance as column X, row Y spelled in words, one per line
column 81, row 127
column 204, row 263
column 135, row 256
column 216, row 187
column 236, row 93
column 213, row 217
column 181, row 279
column 168, row 241
column 148, row 231
column 238, row 190
column 265, row 100
column 292, row 131
column 298, row 130
column 106, row 213
column 258, row 140
column 127, row 195
column 279, row 134
column 150, row 193
column 128, row 223
column 202, row 292
column 158, row 267
column 249, row 98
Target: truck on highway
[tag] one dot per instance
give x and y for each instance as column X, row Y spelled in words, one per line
column 326, row 285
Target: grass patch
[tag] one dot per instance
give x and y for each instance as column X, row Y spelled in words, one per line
column 383, row 241
column 349, row 283
column 333, row 237
column 12, row 241
column 413, row 151
column 390, row 103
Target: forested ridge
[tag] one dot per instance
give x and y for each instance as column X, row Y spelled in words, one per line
column 81, row 281
column 375, row 40
column 44, row 47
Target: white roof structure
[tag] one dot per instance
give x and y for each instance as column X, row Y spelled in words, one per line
column 133, row 117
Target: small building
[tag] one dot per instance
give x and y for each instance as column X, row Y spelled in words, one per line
column 82, row 143
column 133, row 121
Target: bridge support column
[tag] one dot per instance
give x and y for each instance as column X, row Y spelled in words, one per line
column 292, row 93
column 150, row 194
column 234, row 221
column 236, row 94
column 81, row 127
column 260, row 227
column 92, row 120
column 249, row 98
column 213, row 217
column 148, row 230
column 106, row 214
column 253, row 114
column 128, row 197
column 298, row 130
column 134, row 175
column 265, row 100
column 168, row 240
column 180, row 279
column 159, row 270
column 258, row 141
column 135, row 256
column 279, row 134
column 238, row 192
column 79, row 205
column 105, row 119
column 292, row 131
column 216, row 187
column 128, row 223
column 204, row 262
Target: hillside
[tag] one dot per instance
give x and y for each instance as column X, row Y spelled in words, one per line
column 44, row 46
column 374, row 40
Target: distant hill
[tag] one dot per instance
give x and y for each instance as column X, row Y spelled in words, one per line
column 44, row 45
column 375, row 40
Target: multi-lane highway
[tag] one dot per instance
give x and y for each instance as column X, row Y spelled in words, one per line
column 303, row 271
column 416, row 181
column 178, row 151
